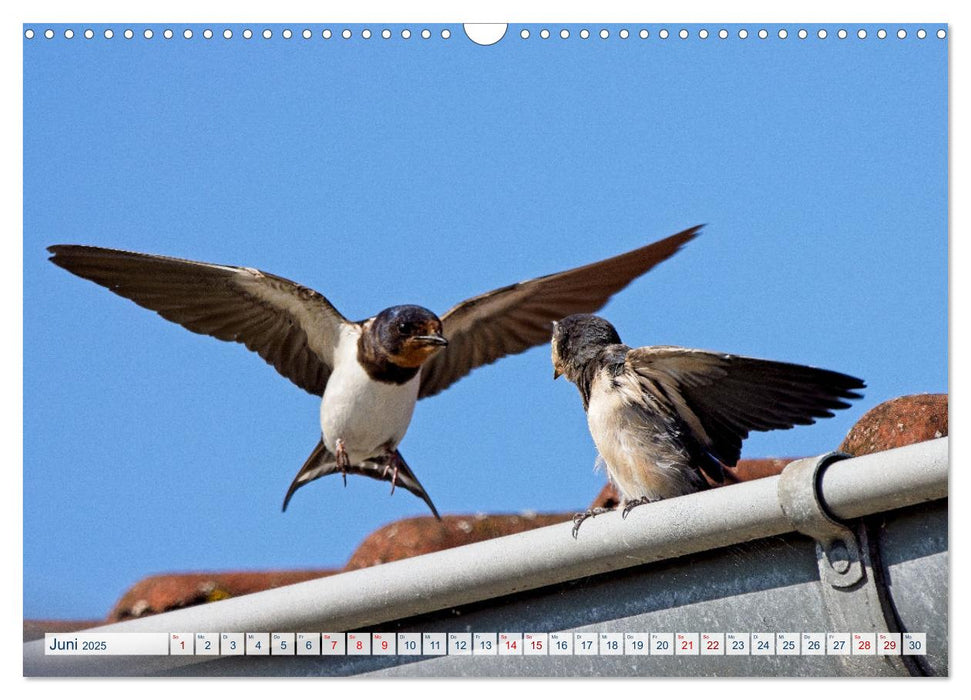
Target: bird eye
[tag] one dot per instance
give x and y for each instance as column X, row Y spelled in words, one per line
column 405, row 328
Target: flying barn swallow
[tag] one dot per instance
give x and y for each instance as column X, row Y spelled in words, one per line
column 662, row 415
column 369, row 373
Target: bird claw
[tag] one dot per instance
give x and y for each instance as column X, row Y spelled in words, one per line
column 393, row 462
column 588, row 513
column 633, row 504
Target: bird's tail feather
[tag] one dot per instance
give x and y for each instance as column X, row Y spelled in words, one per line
column 322, row 462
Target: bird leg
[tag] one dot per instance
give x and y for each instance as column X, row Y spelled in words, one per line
column 588, row 513
column 343, row 461
column 630, row 505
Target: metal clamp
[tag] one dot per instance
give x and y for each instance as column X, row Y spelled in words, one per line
column 837, row 549
column 853, row 590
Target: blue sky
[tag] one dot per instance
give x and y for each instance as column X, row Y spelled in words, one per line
column 427, row 171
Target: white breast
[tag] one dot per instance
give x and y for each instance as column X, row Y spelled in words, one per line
column 367, row 415
column 639, row 445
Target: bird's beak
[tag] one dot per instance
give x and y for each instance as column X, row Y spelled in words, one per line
column 556, row 374
column 432, row 339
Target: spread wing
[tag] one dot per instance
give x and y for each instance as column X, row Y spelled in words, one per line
column 515, row 318
column 293, row 328
column 723, row 397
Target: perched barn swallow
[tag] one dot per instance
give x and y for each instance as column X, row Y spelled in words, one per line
column 662, row 415
column 369, row 373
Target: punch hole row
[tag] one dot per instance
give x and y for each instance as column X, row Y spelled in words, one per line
column 446, row 33
column 723, row 33
column 245, row 33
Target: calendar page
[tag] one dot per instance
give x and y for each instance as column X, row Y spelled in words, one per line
column 334, row 332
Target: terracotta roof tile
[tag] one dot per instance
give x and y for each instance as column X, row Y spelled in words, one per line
column 163, row 592
column 898, row 422
column 414, row 536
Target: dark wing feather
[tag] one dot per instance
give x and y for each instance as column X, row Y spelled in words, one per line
column 322, row 463
column 515, row 318
column 293, row 328
column 723, row 397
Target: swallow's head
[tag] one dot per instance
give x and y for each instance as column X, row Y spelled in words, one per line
column 407, row 335
column 577, row 340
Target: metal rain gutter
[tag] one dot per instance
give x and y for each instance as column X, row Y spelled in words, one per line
column 851, row 488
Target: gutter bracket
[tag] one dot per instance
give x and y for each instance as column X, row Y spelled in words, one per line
column 839, row 554
column 849, row 569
